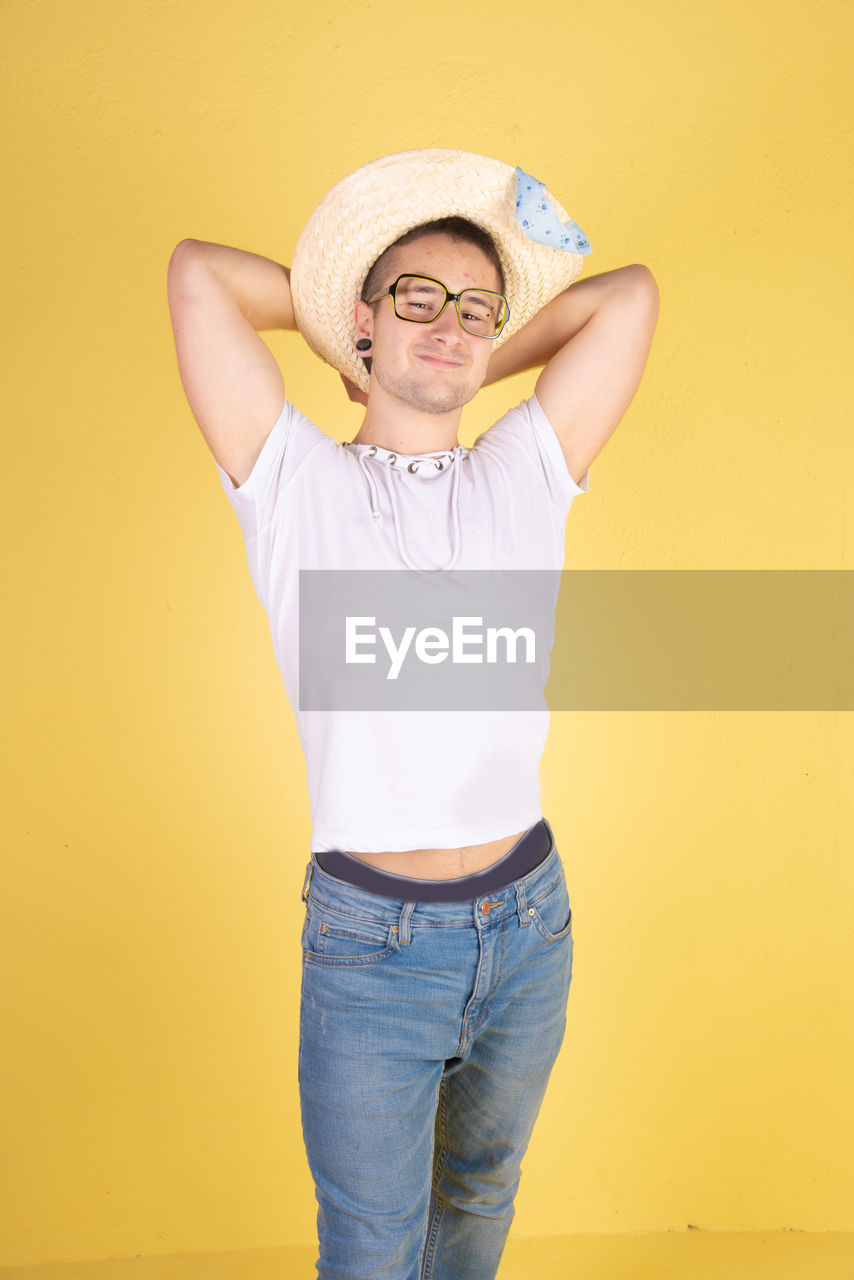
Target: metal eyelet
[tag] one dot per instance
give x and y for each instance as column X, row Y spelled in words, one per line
column 440, row 466
column 392, row 459
column 413, row 467
column 372, row 450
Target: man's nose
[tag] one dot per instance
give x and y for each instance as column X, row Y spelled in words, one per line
column 448, row 323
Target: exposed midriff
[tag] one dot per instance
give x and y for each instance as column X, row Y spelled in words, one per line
column 440, row 864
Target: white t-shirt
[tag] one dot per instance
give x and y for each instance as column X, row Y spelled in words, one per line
column 389, row 780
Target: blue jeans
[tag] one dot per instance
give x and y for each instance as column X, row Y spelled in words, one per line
column 428, row 1032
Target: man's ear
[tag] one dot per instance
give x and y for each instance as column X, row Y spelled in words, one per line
column 364, row 331
column 364, row 316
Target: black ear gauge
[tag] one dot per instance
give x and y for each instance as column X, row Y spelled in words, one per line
column 364, row 344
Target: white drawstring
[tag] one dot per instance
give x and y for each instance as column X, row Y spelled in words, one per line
column 456, row 540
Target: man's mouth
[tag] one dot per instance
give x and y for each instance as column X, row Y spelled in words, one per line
column 441, row 362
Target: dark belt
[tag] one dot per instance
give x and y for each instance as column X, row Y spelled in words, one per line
column 527, row 853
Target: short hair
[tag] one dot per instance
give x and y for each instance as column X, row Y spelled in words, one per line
column 456, row 228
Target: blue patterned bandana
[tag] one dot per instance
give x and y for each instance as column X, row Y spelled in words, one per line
column 537, row 217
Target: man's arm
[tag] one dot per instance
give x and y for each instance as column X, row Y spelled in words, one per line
column 219, row 298
column 594, row 340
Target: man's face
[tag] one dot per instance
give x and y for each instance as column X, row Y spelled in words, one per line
column 435, row 367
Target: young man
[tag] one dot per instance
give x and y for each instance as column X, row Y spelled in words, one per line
column 437, row 945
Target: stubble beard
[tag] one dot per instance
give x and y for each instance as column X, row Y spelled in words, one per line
column 435, row 398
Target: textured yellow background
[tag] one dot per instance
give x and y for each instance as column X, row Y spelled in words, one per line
column 156, row 823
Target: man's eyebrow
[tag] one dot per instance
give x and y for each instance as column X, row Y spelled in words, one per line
column 485, row 296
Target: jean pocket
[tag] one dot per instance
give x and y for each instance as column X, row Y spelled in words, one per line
column 331, row 936
column 552, row 913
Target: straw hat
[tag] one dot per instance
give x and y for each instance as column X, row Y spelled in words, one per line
column 540, row 247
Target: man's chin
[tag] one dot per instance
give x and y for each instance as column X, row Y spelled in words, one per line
column 433, row 397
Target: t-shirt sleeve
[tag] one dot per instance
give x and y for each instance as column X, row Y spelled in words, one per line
column 551, row 454
column 285, row 450
column 527, row 430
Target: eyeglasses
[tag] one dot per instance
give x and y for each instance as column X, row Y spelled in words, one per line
column 420, row 300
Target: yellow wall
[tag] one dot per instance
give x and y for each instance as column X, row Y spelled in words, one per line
column 156, row 823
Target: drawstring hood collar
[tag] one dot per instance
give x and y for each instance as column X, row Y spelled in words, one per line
column 394, row 468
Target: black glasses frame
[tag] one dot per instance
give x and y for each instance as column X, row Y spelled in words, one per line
column 391, row 291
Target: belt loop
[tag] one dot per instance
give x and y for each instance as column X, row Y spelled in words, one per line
column 307, row 880
column 404, row 935
column 521, row 903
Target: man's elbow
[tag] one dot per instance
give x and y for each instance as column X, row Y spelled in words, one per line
column 644, row 293
column 183, row 252
column 646, row 281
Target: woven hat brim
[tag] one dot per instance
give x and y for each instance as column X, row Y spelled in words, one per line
column 374, row 206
